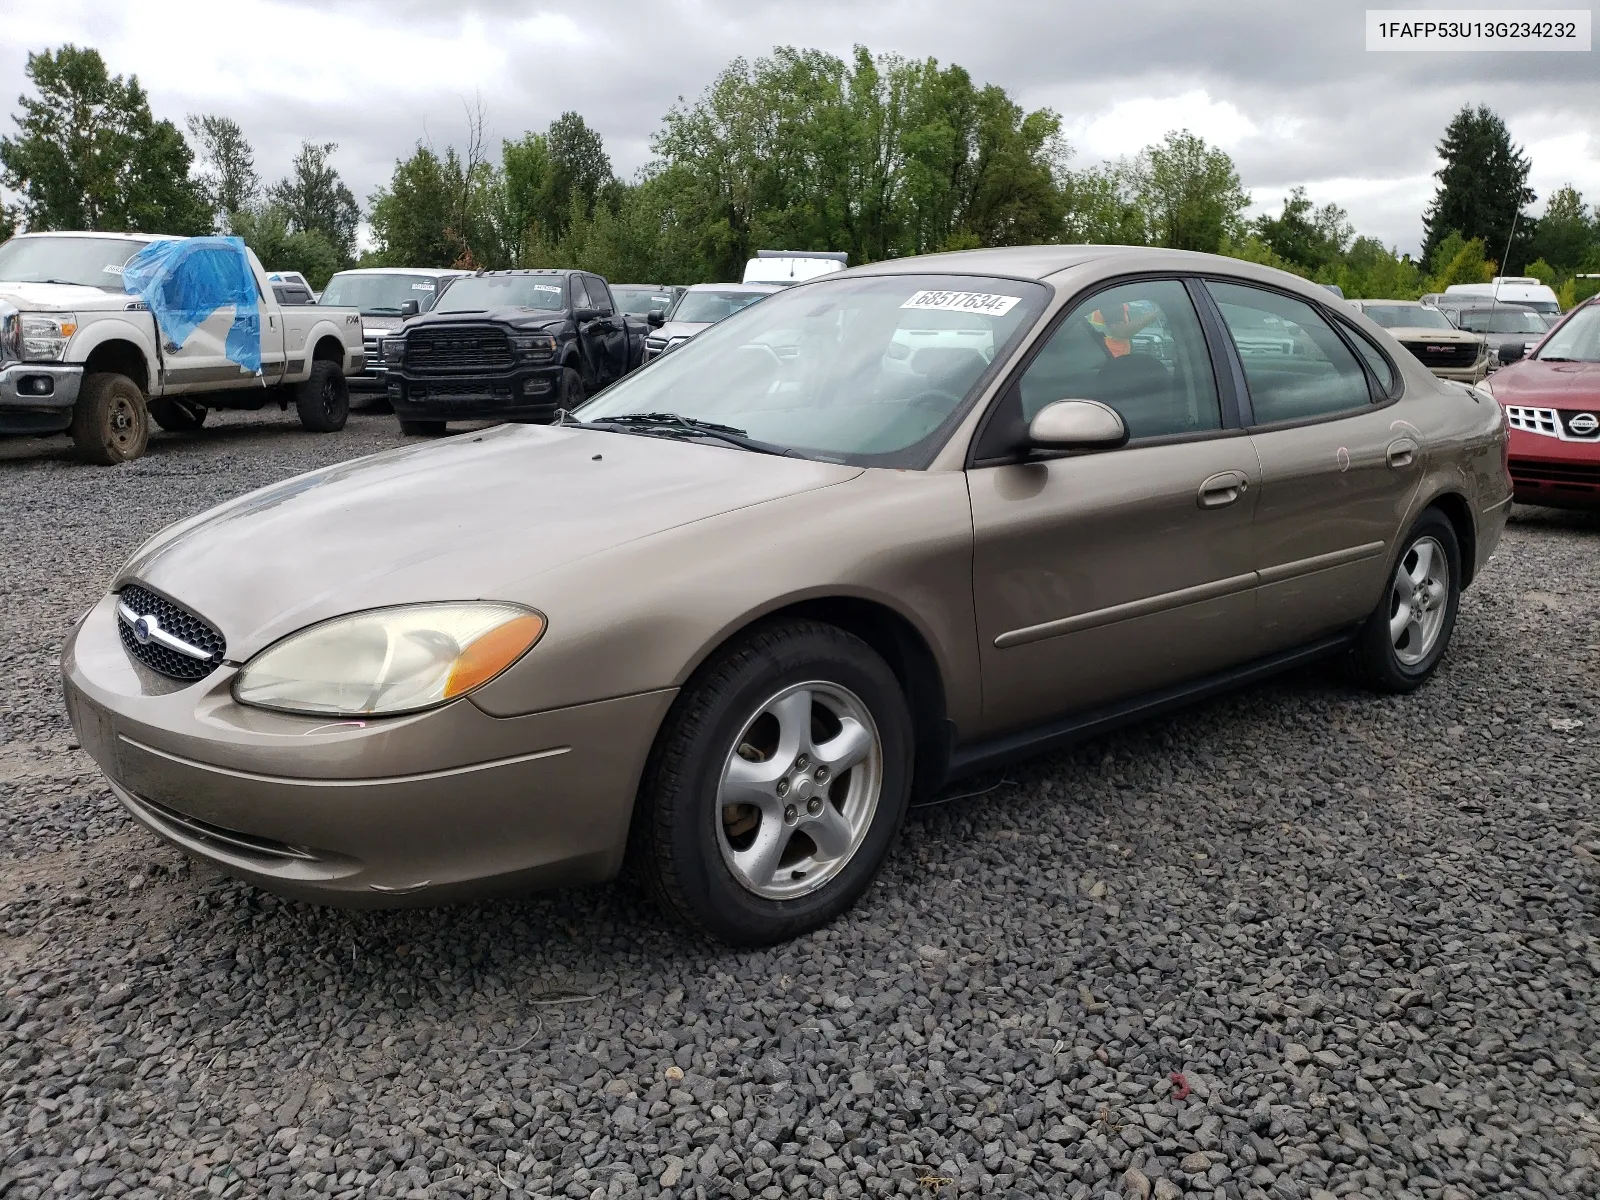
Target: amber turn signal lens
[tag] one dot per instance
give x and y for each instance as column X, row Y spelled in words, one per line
column 492, row 653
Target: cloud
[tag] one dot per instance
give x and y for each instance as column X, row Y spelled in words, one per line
column 1287, row 88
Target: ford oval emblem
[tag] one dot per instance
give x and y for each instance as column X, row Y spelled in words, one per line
column 144, row 629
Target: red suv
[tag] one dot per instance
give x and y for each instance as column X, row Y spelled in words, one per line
column 1552, row 404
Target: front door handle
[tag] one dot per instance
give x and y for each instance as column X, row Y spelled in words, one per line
column 1402, row 453
column 1223, row 489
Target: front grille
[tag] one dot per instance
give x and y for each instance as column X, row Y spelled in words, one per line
column 1578, row 477
column 1440, row 354
column 455, row 389
column 1532, row 420
column 460, row 347
column 179, row 622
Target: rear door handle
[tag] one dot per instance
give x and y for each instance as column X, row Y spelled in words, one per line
column 1223, row 489
column 1402, row 453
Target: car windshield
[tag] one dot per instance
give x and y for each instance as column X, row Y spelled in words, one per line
column 1501, row 320
column 709, row 307
column 474, row 293
column 864, row 370
column 1578, row 339
column 90, row 262
column 1407, row 316
column 380, row 295
column 638, row 301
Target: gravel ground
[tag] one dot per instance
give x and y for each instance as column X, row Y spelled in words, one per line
column 1361, row 930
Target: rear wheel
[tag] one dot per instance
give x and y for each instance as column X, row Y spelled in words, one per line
column 1406, row 636
column 777, row 785
column 177, row 415
column 110, row 421
column 322, row 400
column 421, row 428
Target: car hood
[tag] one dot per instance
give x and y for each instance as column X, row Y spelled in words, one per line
column 374, row 323
column 61, row 297
column 523, row 318
column 1550, row 384
column 475, row 516
column 681, row 329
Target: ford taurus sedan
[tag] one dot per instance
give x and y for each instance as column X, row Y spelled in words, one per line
column 734, row 613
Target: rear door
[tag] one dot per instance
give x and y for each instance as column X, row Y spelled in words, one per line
column 1339, row 464
column 1101, row 576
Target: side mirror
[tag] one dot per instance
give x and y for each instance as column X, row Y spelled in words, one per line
column 1510, row 352
column 1077, row 425
column 585, row 314
column 409, row 308
column 655, row 318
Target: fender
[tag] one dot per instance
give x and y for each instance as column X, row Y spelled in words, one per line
column 133, row 326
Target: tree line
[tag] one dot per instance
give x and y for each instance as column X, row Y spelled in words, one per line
column 877, row 155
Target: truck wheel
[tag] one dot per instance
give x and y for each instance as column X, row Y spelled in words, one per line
column 110, row 421
column 322, row 400
column 571, row 389
column 177, row 415
column 421, row 428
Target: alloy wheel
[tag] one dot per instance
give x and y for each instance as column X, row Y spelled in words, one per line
column 799, row 790
column 1418, row 600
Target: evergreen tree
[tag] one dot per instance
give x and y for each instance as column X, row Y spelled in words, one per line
column 1483, row 188
column 227, row 178
column 313, row 197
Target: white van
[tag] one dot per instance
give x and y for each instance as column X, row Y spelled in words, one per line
column 793, row 266
column 1511, row 289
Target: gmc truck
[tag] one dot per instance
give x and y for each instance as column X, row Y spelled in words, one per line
column 509, row 346
column 80, row 353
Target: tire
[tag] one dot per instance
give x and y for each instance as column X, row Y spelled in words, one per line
column 111, row 420
column 421, row 428
column 736, row 730
column 177, row 415
column 571, row 392
column 1399, row 655
column 322, row 399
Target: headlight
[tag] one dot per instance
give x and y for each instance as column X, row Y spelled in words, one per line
column 535, row 346
column 45, row 335
column 10, row 332
column 389, row 660
column 393, row 349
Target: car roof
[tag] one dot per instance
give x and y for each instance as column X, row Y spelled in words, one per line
column 535, row 271
column 645, row 287
column 436, row 272
column 100, row 233
column 1390, row 303
column 1503, row 306
column 736, row 287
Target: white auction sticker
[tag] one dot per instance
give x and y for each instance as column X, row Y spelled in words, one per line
column 545, row 287
column 973, row 302
column 422, row 287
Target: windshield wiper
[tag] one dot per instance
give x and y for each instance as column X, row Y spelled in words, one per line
column 681, row 425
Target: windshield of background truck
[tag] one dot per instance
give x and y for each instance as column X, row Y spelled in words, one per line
column 380, row 295
column 1502, row 320
column 823, row 369
column 1407, row 316
column 476, row 293
column 1578, row 340
column 711, row 307
column 88, row 262
column 638, row 301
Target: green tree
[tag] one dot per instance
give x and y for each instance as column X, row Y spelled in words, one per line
column 1457, row 259
column 8, row 221
column 266, row 229
column 1483, row 187
column 227, row 177
column 89, row 154
column 314, row 197
column 1190, row 193
column 1254, row 248
column 1372, row 271
column 579, row 169
column 1314, row 239
column 1568, row 233
column 1102, row 207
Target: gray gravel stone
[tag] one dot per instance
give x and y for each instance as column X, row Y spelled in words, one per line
column 1362, row 929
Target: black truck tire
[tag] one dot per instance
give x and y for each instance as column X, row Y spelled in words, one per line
column 177, row 414
column 111, row 420
column 572, row 391
column 322, row 399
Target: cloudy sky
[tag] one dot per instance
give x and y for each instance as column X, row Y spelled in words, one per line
column 1286, row 87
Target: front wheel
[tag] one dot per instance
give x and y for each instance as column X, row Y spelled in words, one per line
column 110, row 421
column 776, row 786
column 322, row 399
column 1406, row 636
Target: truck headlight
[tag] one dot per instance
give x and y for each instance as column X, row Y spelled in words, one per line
column 10, row 332
column 393, row 349
column 45, row 335
column 389, row 660
column 536, row 347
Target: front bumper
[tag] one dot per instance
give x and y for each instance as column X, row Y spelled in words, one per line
column 1555, row 472
column 523, row 394
column 37, row 397
column 441, row 806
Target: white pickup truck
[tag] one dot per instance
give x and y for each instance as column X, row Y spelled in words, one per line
column 80, row 355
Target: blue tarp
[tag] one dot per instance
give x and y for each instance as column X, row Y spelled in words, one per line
column 185, row 281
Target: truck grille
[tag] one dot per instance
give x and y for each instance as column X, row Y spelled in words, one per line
column 1444, row 354
column 180, row 623
column 460, row 347
column 460, row 389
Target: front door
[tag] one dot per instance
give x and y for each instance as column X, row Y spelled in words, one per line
column 199, row 319
column 1339, row 465
column 1098, row 577
column 609, row 332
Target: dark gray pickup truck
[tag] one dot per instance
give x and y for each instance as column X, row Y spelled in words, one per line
column 509, row 346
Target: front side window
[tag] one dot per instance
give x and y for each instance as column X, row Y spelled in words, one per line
column 1295, row 365
column 825, row 369
column 1137, row 347
column 1578, row 340
column 599, row 296
column 479, row 293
